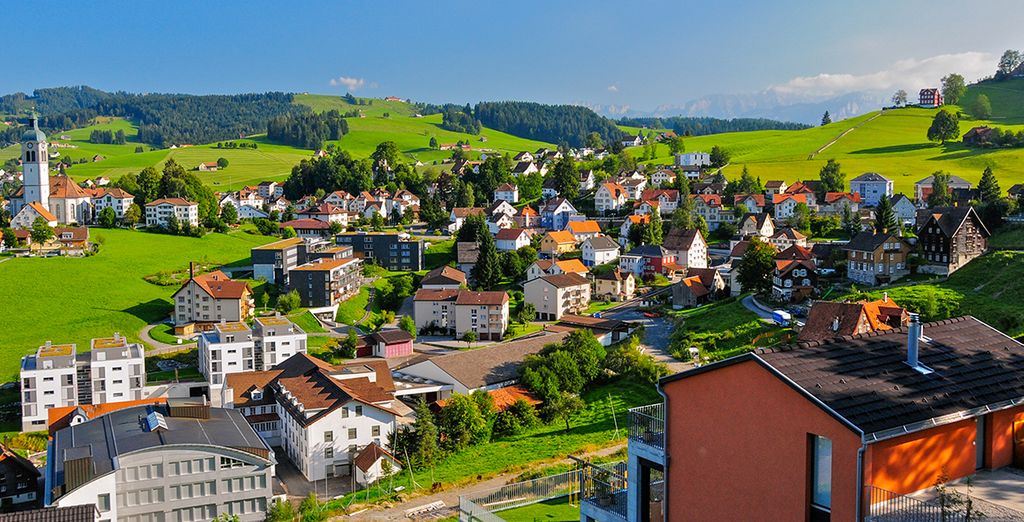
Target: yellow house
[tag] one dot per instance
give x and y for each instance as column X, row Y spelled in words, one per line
column 615, row 285
column 557, row 242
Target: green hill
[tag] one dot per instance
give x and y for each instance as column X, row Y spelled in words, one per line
column 892, row 143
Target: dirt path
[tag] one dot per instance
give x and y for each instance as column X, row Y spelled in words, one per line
column 451, row 497
column 160, row 347
column 844, row 133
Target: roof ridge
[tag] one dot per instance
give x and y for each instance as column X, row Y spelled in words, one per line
column 865, row 335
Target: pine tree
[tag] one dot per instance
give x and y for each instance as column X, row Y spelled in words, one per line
column 487, row 270
column 988, row 187
column 427, row 450
column 885, row 216
column 655, row 232
column 851, row 221
column 826, row 119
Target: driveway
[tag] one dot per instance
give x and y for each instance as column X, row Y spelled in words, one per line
column 297, row 487
column 657, row 335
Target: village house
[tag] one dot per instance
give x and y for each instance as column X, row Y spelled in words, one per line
column 793, row 280
column 760, row 225
column 930, row 98
column 511, row 239
column 754, row 203
column 871, row 186
column 587, row 180
column 904, row 209
column 499, row 222
column 270, row 189
column 836, row 203
column 466, row 254
column 308, row 228
column 524, row 168
column 556, row 295
column 599, row 250
column 388, row 344
column 609, row 196
column 207, row 166
column 507, row 192
column 19, row 480
column 210, row 298
column 322, row 416
column 325, row 212
column 667, row 199
column 549, row 189
column 772, row 187
column 28, row 215
column 709, row 207
column 523, row 156
column 633, row 140
column 444, row 278
column 557, row 242
column 500, row 208
column 556, row 213
column 690, row 292
column 785, row 204
column 340, row 198
column 73, row 241
column 456, row 312
column 688, row 246
column 786, row 237
column 159, row 212
column 662, row 177
column 647, row 260
column 634, row 187
column 614, row 285
column 115, row 198
column 949, row 238
column 527, row 217
column 628, row 223
column 923, row 188
column 698, row 159
column 583, row 230
column 830, row 319
column 806, row 189
column 875, row 258
column 543, row 267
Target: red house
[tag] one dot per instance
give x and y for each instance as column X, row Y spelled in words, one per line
column 390, row 343
column 839, row 429
column 654, row 259
column 930, row 98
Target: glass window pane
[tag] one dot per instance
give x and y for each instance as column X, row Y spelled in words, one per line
column 822, row 484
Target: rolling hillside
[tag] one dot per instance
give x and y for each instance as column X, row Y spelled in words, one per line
column 892, row 143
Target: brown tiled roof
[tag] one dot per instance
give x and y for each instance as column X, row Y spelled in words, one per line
column 467, row 251
column 492, row 364
column 789, row 233
column 306, row 224
column 469, row 297
column 795, row 251
column 854, row 318
column 370, row 455
column 462, row 212
column 79, row 513
column 740, row 198
column 695, row 286
column 391, row 336
column 681, row 239
column 62, row 186
column 426, row 294
column 112, row 192
column 178, row 202
column 505, row 187
column 706, row 275
column 444, row 275
column 614, row 275
column 509, row 234
column 594, row 323
column 42, row 211
column 77, row 233
column 219, row 285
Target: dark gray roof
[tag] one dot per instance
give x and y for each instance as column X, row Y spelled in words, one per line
column 867, row 241
column 124, row 431
column 870, row 176
column 950, row 219
column 866, row 382
column 649, row 251
column 494, row 364
column 602, row 243
column 80, row 513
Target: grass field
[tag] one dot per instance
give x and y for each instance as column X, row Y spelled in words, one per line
column 554, row 510
column 894, row 144
column 987, row 288
column 724, row 329
column 75, row 299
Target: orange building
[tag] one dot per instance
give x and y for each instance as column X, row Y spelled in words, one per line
column 838, row 429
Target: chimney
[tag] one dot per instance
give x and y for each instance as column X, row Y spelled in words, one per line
column 885, row 297
column 191, row 269
column 835, row 324
column 914, row 340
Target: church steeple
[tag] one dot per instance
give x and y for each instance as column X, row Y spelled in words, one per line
column 35, row 164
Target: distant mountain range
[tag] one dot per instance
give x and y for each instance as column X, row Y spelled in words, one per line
column 769, row 104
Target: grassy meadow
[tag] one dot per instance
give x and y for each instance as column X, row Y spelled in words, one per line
column 75, row 299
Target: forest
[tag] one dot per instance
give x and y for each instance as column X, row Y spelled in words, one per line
column 693, row 126
column 307, row 130
column 561, row 124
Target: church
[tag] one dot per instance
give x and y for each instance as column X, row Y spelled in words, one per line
column 61, row 196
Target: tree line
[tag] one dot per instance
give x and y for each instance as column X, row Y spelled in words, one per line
column 459, row 119
column 307, row 130
column 563, row 124
column 701, row 126
column 107, row 137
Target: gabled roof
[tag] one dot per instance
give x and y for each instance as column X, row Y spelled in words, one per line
column 800, row 187
column 444, row 275
column 62, row 187
column 711, row 200
column 707, row 276
column 954, row 181
column 774, row 184
column 567, row 280
column 682, row 239
column 695, row 286
column 467, row 251
column 601, row 243
column 391, row 336
column 561, row 236
column 583, row 227
column 614, row 189
column 506, row 187
column 868, row 241
column 785, row 266
column 652, row 194
column 873, row 177
column 464, row 212
column 827, row 320
column 469, row 297
column 306, row 224
column 950, row 219
column 370, row 455
column 614, row 275
column 178, row 202
column 649, row 251
column 427, row 294
column 636, row 220
column 218, row 285
column 832, row 197
column 527, row 211
column 43, row 213
column 795, row 251
column 510, row 234
column 552, row 204
column 742, row 198
column 780, row 198
column 113, row 192
column 572, row 265
column 789, row 233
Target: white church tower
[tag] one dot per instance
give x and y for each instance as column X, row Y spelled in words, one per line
column 35, row 165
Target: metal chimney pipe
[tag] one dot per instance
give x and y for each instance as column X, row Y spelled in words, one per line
column 914, row 340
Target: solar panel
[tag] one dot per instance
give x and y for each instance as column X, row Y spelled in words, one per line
column 155, row 421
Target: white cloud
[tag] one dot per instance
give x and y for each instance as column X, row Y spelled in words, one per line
column 613, row 88
column 909, row 74
column 352, row 84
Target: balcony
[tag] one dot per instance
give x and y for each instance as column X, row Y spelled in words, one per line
column 604, row 494
column 647, row 432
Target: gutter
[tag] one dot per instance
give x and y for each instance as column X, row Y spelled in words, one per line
column 665, row 466
column 860, row 480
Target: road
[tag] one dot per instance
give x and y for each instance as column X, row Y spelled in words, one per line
column 748, row 302
column 657, row 334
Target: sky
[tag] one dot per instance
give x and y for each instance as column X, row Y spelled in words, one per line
column 603, row 54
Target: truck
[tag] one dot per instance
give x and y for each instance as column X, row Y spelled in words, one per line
column 782, row 317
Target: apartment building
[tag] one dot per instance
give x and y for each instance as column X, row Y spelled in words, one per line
column 877, row 258
column 117, row 370
column 273, row 261
column 276, row 339
column 56, row 376
column 322, row 416
column 159, row 212
column 455, row 312
column 210, row 298
column 325, row 282
column 389, row 250
column 174, row 462
column 115, row 198
column 556, row 295
column 226, row 348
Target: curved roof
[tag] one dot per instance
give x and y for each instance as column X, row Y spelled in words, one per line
column 33, row 133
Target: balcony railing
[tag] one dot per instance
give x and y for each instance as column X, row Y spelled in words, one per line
column 647, row 425
column 605, row 488
column 885, row 506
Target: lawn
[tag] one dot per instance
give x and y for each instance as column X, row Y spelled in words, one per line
column 439, row 254
column 554, row 510
column 1008, row 237
column 307, row 322
column 164, row 332
column 724, row 329
column 352, row 309
column 600, row 306
column 518, row 330
column 988, row 288
column 76, row 299
column 592, row 429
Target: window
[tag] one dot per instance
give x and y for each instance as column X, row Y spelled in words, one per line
column 104, row 502
column 328, row 436
column 329, row 452
column 359, row 411
column 821, row 472
column 352, row 433
column 375, row 431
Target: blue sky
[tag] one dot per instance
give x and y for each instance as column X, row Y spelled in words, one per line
column 637, row 54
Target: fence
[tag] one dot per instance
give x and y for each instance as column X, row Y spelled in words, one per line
column 481, row 507
column 647, row 424
column 605, row 487
column 886, row 506
column 469, row 511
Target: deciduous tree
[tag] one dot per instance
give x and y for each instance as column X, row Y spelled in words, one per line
column 107, row 218
column 953, row 88
column 900, row 98
column 755, row 272
column 981, row 107
column 945, row 127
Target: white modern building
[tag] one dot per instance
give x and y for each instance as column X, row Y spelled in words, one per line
column 227, row 348
column 49, row 379
column 159, row 212
column 871, row 186
column 276, row 339
column 117, row 369
column 693, row 159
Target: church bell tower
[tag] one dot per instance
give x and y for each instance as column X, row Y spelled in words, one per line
column 35, row 165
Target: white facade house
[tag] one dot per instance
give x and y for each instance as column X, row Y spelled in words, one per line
column 227, row 348
column 117, row 369
column 689, row 247
column 114, row 198
column 785, row 204
column 693, row 159
column 556, row 295
column 276, row 339
column 599, row 250
column 511, row 239
column 507, row 192
column 871, row 186
column 158, row 212
column 905, row 210
column 48, row 380
column 609, row 197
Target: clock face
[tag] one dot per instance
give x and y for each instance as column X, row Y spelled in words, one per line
column 30, row 145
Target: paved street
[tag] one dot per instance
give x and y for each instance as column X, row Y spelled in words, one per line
column 657, row 333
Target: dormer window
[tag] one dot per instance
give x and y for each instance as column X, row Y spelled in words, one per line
column 257, row 395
